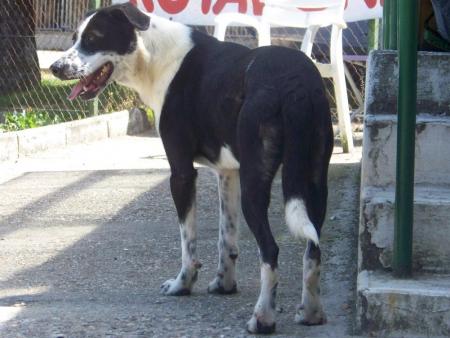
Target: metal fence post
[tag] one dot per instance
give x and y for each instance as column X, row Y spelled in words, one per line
column 93, row 106
column 393, row 23
column 386, row 22
column 407, row 109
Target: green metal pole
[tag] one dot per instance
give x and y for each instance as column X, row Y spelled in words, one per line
column 393, row 22
column 386, row 21
column 93, row 106
column 407, row 109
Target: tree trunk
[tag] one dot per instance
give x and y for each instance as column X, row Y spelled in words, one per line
column 19, row 65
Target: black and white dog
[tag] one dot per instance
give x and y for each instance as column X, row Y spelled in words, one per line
column 243, row 113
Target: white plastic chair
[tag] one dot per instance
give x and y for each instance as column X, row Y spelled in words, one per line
column 319, row 13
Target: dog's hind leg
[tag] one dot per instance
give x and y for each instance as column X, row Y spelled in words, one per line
column 255, row 202
column 310, row 311
column 308, row 147
column 260, row 157
column 183, row 192
column 225, row 281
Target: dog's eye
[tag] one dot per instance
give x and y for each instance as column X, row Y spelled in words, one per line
column 90, row 38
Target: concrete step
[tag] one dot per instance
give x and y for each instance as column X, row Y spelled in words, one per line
column 433, row 78
column 431, row 245
column 432, row 150
column 389, row 307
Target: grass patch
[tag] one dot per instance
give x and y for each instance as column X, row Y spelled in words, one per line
column 28, row 119
column 47, row 103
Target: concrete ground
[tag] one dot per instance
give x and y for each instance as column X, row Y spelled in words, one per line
column 89, row 233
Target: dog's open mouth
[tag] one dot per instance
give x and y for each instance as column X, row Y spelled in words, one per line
column 90, row 86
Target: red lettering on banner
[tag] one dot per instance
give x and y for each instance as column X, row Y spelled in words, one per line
column 148, row 4
column 173, row 6
column 220, row 4
column 206, row 6
column 371, row 3
column 258, row 7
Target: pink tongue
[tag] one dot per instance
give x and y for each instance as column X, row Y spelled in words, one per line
column 76, row 91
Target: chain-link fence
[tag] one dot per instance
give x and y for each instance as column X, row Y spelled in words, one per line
column 33, row 33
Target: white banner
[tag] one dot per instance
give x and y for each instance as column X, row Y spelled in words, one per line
column 202, row 12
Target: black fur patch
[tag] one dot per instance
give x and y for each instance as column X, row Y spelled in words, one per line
column 112, row 29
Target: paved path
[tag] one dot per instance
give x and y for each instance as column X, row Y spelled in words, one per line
column 88, row 234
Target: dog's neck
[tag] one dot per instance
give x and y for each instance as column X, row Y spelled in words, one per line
column 158, row 56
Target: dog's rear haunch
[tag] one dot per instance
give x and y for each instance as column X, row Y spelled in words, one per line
column 242, row 112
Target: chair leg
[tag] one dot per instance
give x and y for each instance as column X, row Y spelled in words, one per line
column 308, row 40
column 340, row 90
column 220, row 30
column 343, row 111
column 264, row 37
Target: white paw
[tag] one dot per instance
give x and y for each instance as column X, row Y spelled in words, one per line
column 256, row 324
column 175, row 287
column 310, row 317
column 219, row 287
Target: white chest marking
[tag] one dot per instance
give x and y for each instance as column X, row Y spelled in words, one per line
column 226, row 159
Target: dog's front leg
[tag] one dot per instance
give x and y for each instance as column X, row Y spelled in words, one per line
column 183, row 193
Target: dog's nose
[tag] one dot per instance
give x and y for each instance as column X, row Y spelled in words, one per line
column 57, row 68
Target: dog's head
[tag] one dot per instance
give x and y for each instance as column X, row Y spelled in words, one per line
column 101, row 45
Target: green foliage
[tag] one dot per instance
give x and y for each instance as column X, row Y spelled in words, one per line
column 150, row 115
column 47, row 103
column 28, row 119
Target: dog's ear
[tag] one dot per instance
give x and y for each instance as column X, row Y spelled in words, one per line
column 133, row 15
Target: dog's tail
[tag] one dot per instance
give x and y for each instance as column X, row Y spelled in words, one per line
column 308, row 144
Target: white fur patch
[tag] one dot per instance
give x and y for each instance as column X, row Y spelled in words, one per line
column 226, row 159
column 228, row 220
column 189, row 265
column 188, row 237
column 160, row 51
column 229, row 191
column 311, row 310
column 298, row 221
column 269, row 278
column 264, row 311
